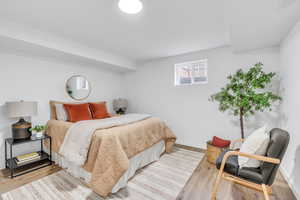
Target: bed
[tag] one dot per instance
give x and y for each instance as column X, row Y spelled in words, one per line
column 115, row 151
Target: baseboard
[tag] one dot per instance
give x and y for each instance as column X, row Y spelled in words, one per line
column 286, row 177
column 190, row 148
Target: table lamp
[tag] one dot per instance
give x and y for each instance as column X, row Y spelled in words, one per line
column 21, row 109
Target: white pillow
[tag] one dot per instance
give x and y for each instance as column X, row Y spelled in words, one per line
column 256, row 143
column 61, row 113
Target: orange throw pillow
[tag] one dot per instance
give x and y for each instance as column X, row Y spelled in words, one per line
column 99, row 110
column 78, row 112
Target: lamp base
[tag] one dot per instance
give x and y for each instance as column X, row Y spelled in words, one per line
column 120, row 111
column 20, row 130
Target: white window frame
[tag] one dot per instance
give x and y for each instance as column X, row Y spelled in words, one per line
column 190, row 64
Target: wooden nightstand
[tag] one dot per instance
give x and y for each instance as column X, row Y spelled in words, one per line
column 11, row 163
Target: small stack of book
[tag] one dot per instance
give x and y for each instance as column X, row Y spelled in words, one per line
column 27, row 158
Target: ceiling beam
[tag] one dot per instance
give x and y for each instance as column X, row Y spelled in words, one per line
column 28, row 40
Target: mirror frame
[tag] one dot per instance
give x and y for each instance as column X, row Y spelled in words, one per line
column 66, row 87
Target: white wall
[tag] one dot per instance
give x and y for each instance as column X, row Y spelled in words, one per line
column 24, row 77
column 290, row 62
column 150, row 89
column 186, row 109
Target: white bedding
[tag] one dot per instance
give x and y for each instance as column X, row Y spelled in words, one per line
column 138, row 161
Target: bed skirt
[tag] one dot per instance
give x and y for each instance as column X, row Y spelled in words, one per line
column 138, row 161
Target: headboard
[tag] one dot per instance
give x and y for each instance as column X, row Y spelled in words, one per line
column 53, row 109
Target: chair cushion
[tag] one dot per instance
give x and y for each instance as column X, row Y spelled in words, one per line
column 231, row 166
column 251, row 174
column 277, row 148
column 256, row 143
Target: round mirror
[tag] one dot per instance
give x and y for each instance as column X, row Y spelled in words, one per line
column 78, row 87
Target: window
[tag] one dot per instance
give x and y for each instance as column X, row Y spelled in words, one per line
column 191, row 73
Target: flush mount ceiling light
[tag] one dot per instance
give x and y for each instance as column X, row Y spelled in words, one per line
column 130, row 6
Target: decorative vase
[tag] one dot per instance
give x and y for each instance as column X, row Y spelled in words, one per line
column 39, row 134
column 213, row 152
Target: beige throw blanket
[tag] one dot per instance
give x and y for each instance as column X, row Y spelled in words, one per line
column 111, row 148
column 78, row 137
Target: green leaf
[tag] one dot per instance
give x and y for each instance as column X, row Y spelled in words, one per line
column 247, row 90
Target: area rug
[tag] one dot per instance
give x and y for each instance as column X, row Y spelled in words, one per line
column 161, row 180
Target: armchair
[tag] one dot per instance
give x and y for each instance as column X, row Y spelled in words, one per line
column 255, row 178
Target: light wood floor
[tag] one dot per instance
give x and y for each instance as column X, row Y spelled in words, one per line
column 198, row 187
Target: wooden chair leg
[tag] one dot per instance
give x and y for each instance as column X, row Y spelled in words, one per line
column 216, row 186
column 265, row 192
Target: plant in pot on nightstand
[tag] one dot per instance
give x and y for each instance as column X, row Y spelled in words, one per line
column 246, row 93
column 38, row 130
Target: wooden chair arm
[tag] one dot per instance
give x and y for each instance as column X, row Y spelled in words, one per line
column 261, row 158
column 257, row 157
column 233, row 143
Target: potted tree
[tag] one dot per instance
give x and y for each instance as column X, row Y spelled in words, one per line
column 246, row 93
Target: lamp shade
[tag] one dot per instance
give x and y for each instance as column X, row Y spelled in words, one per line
column 120, row 103
column 21, row 109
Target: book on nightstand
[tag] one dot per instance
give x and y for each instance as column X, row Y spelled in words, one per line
column 26, row 158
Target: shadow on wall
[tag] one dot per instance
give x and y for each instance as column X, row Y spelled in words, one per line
column 296, row 171
column 283, row 120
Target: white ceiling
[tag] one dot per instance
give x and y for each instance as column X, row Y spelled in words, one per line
column 259, row 24
column 163, row 28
